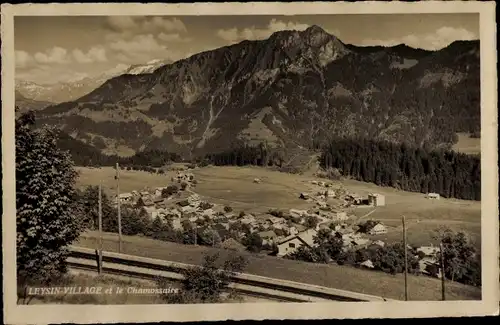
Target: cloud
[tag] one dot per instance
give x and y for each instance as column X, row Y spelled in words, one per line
column 437, row 40
column 44, row 74
column 173, row 37
column 23, row 59
column 165, row 24
column 121, row 23
column 140, row 43
column 56, row 55
column 142, row 48
column 95, row 54
column 144, row 25
column 253, row 33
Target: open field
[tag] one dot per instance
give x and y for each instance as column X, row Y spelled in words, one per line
column 234, row 186
column 467, row 145
column 334, row 276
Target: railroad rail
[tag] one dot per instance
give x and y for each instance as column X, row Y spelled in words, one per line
column 247, row 284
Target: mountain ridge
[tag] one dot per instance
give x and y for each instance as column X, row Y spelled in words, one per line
column 296, row 88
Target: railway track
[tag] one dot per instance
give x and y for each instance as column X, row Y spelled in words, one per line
column 115, row 264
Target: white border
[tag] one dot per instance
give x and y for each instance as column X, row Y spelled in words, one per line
column 150, row 313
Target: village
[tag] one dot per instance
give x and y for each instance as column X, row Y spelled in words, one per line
column 280, row 231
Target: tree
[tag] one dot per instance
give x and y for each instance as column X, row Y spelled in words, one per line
column 135, row 221
column 306, row 254
column 169, row 191
column 205, row 283
column 327, row 244
column 461, row 260
column 367, row 226
column 390, row 259
column 88, row 201
column 48, row 217
column 311, row 221
column 253, row 242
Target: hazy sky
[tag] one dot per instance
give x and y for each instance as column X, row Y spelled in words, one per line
column 62, row 48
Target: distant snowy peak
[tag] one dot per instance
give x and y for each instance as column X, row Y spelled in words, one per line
column 149, row 67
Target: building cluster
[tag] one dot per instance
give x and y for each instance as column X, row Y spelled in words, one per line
column 288, row 232
column 324, row 191
column 351, row 237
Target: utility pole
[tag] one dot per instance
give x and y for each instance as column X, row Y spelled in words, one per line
column 100, row 230
column 117, row 177
column 443, row 291
column 406, row 259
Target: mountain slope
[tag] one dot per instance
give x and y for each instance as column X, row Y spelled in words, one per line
column 295, row 89
column 25, row 104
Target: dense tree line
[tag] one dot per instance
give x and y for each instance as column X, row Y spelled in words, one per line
column 448, row 173
column 84, row 154
column 245, row 154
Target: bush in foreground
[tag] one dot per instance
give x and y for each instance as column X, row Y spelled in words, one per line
column 205, row 283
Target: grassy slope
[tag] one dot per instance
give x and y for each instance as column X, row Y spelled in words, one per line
column 467, row 145
column 234, row 186
column 340, row 277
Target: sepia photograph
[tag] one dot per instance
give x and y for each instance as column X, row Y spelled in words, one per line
column 258, row 157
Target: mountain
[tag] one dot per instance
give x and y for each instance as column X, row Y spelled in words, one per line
column 296, row 89
column 25, row 104
column 149, row 67
column 68, row 91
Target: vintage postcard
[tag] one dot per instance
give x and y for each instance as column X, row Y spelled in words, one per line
column 258, row 161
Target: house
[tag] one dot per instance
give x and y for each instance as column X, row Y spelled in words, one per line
column 341, row 216
column 330, row 193
column 188, row 209
column 360, row 242
column 434, row 196
column 151, row 211
column 376, row 199
column 378, row 243
column 430, row 251
column 293, row 230
column 268, row 237
column 225, row 225
column 297, row 213
column 429, row 266
column 368, row 264
column 177, row 224
column 378, row 229
column 126, row 197
column 158, row 191
column 293, row 242
column 158, row 200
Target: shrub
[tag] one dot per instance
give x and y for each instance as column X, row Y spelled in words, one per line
column 228, row 209
column 206, row 283
column 206, row 205
column 184, row 185
column 170, row 190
